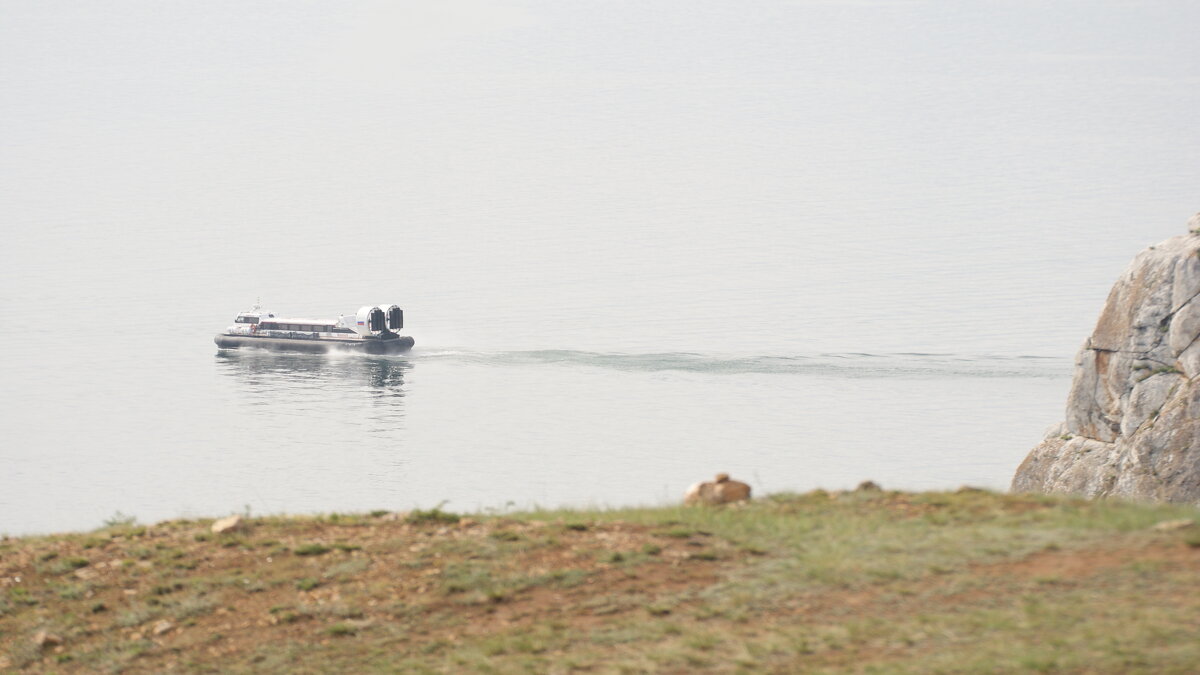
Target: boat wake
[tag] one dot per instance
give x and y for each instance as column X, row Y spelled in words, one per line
column 855, row 364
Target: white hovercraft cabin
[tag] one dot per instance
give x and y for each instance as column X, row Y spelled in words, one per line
column 372, row 330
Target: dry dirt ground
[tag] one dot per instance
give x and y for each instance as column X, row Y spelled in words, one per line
column 173, row 591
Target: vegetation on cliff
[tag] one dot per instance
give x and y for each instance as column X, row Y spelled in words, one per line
column 856, row 581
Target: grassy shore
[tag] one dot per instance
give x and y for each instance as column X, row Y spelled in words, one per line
column 864, row 581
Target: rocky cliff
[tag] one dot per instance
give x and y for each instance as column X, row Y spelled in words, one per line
column 1132, row 427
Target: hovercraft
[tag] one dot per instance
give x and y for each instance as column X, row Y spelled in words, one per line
column 371, row 330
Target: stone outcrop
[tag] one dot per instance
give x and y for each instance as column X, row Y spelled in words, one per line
column 1132, row 427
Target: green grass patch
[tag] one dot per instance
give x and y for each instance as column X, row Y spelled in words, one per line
column 311, row 549
column 432, row 516
column 341, row 630
column 70, row 564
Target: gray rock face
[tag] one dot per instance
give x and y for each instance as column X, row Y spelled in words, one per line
column 1132, row 426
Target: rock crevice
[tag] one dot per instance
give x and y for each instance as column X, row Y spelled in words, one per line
column 1131, row 428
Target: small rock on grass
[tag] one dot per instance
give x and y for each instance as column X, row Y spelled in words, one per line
column 1169, row 525
column 227, row 524
column 45, row 639
column 721, row 490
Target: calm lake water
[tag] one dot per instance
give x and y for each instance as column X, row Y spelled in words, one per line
column 806, row 243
